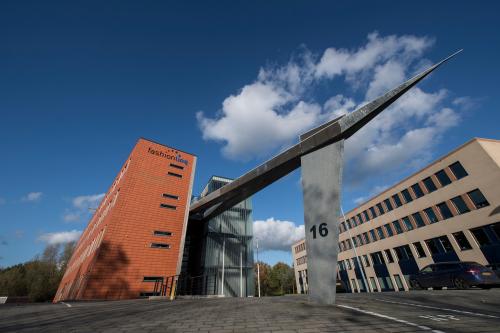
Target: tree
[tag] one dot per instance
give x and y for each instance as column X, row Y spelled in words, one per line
column 276, row 280
column 39, row 278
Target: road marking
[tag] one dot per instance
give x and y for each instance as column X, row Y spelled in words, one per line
column 425, row 328
column 68, row 305
column 439, row 317
column 437, row 308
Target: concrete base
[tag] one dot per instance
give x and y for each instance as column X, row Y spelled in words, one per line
column 321, row 184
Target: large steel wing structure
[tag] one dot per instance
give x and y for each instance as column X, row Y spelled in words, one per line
column 320, row 153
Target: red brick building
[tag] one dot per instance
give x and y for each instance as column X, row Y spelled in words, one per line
column 116, row 259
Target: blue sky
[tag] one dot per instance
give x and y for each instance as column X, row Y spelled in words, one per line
column 232, row 82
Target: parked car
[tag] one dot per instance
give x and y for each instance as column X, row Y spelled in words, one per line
column 460, row 275
column 495, row 268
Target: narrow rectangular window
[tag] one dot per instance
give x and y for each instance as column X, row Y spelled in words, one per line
column 443, row 178
column 160, row 246
column 380, row 233
column 460, row 205
column 380, row 208
column 445, row 242
column 365, row 236
column 365, row 214
column 389, row 256
column 372, row 210
column 397, row 200
column 367, row 261
column 478, row 199
column 419, row 221
column 481, row 236
column 419, row 249
column 174, row 174
column 388, row 204
column 388, row 230
column 397, row 227
column 407, row 222
column 170, row 196
column 168, row 206
column 429, row 184
column 431, row 245
column 406, row 195
column 417, row 190
column 444, row 210
column 152, row 278
column 180, row 167
column 458, row 170
column 431, row 215
column 360, row 219
column 355, row 242
column 462, row 241
column 399, row 282
column 372, row 234
column 162, row 233
column 360, row 240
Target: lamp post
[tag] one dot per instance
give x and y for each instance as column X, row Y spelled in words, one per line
column 258, row 267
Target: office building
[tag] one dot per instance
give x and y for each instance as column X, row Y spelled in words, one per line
column 448, row 211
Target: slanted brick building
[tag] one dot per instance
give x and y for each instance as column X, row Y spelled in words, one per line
column 136, row 235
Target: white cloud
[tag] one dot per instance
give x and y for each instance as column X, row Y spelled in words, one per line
column 32, row 197
column 83, row 205
column 374, row 191
column 271, row 112
column 53, row 238
column 277, row 235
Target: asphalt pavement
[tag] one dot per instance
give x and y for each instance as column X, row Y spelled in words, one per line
column 417, row 311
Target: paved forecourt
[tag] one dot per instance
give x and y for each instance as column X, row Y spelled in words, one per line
column 421, row 311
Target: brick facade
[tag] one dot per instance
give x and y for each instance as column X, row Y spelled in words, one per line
column 117, row 249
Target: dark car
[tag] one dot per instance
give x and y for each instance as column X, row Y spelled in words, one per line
column 460, row 275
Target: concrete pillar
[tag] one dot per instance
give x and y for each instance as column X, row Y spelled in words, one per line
column 321, row 184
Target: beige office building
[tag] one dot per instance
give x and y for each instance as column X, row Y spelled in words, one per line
column 448, row 211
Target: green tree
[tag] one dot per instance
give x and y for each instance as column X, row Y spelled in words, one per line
column 281, row 279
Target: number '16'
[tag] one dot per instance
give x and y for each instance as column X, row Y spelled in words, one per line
column 322, row 230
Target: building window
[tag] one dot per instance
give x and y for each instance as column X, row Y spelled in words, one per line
column 170, row 196
column 366, row 238
column 354, row 241
column 380, row 233
column 160, row 246
column 388, row 230
column 374, row 284
column 445, row 242
column 349, row 223
column 458, row 170
column 389, row 256
column 432, row 246
column 481, row 236
column 366, row 260
column 397, row 200
column 388, row 204
column 419, row 249
column 462, row 241
column 360, row 240
column 162, row 233
column 360, row 219
column 377, row 258
column 406, row 195
column 399, row 282
column 168, row 206
column 372, row 234
column 460, row 205
column 495, row 227
column 380, row 208
column 174, row 174
column 372, row 210
column 429, row 184
column 365, row 214
column 397, row 227
column 417, row 190
column 348, row 264
column 407, row 222
column 444, row 210
column 431, row 215
column 478, row 199
column 403, row 252
column 152, row 278
column 419, row 221
column 180, row 167
column 443, row 178
column 353, row 221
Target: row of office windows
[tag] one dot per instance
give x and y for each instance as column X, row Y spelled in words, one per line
column 302, row 260
column 395, row 201
column 406, row 224
column 435, row 246
column 301, row 247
